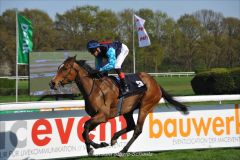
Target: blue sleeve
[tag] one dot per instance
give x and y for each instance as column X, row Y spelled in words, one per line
column 98, row 63
column 111, row 54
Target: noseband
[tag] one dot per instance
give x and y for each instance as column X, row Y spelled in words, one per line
column 76, row 80
column 65, row 78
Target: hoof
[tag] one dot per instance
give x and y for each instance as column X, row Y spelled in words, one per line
column 123, row 151
column 103, row 144
column 120, row 154
column 90, row 152
column 113, row 142
column 186, row 112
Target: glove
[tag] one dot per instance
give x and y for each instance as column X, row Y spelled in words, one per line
column 96, row 74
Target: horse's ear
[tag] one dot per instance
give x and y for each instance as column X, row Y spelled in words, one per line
column 75, row 57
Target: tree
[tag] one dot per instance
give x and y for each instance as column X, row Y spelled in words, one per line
column 164, row 32
column 125, row 29
column 44, row 33
column 212, row 23
column 76, row 26
column 43, row 36
column 172, row 56
column 204, row 39
column 231, row 47
column 106, row 25
column 8, row 40
column 190, row 30
column 142, row 54
column 208, row 51
column 210, row 20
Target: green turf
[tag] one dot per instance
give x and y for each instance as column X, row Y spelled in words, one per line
column 178, row 86
column 207, row 154
column 23, row 84
column 21, row 98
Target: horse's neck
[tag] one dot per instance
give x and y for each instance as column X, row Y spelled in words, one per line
column 84, row 82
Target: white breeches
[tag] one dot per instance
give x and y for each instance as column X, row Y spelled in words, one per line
column 122, row 55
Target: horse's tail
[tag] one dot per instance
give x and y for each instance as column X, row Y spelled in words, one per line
column 179, row 106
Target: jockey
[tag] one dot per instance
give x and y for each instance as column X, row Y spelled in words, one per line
column 115, row 53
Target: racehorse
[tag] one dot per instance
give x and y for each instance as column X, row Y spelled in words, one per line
column 101, row 99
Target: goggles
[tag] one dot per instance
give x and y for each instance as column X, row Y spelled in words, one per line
column 92, row 50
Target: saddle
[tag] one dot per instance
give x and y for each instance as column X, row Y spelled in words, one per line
column 134, row 82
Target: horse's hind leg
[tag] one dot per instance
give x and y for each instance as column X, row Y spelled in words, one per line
column 130, row 126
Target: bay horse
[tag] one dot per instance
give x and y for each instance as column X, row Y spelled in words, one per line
column 101, row 100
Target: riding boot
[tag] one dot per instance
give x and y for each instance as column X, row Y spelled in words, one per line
column 124, row 86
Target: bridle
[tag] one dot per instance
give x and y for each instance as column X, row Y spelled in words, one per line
column 65, row 78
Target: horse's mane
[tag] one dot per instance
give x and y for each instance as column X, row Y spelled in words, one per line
column 85, row 66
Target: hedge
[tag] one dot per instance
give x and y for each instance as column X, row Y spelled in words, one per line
column 235, row 74
column 7, row 83
column 7, row 87
column 12, row 91
column 217, row 81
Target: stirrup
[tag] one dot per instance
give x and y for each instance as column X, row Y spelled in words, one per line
column 124, row 90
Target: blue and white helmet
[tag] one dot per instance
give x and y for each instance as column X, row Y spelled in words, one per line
column 93, row 44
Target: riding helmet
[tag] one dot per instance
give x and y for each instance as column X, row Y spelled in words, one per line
column 92, row 44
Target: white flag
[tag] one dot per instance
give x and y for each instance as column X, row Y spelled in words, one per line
column 143, row 38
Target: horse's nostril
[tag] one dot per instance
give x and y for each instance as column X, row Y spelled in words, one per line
column 52, row 84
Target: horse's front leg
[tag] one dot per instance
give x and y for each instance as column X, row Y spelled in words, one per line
column 88, row 127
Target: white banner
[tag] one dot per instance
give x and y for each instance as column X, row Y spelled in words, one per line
column 143, row 38
column 58, row 134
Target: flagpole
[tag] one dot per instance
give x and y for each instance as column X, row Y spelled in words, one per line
column 17, row 45
column 134, row 60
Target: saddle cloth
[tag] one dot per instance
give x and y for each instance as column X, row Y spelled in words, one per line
column 134, row 82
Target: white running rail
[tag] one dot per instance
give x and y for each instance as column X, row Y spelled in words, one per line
column 81, row 103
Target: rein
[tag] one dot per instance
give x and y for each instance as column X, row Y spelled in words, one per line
column 76, row 80
column 79, row 84
column 93, row 79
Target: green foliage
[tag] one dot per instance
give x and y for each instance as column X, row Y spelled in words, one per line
column 201, row 40
column 235, row 74
column 7, row 87
column 217, row 81
column 12, row 91
column 7, row 83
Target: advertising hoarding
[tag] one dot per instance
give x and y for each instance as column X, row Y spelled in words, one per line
column 59, row 134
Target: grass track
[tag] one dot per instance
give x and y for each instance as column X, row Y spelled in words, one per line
column 177, row 86
column 206, row 154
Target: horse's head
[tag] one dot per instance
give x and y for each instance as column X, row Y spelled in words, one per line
column 66, row 73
